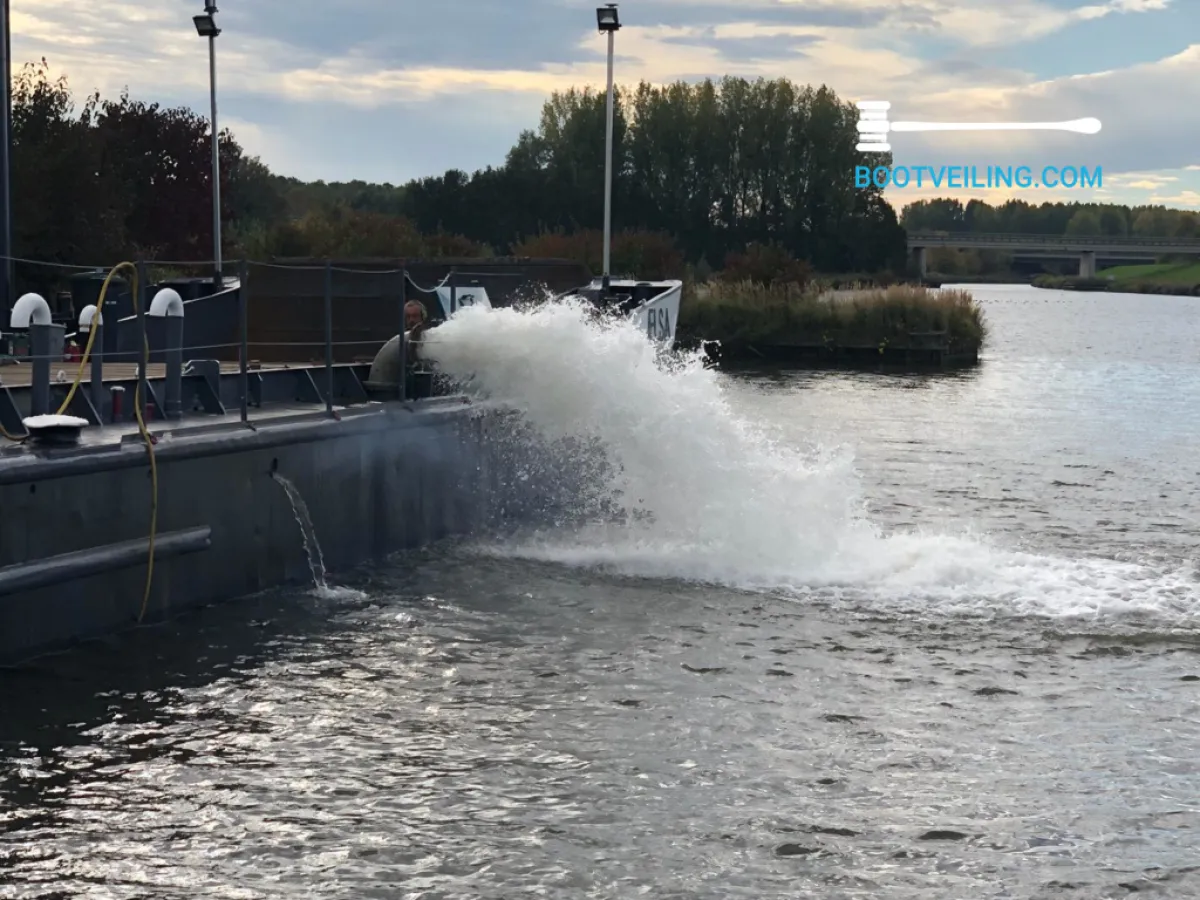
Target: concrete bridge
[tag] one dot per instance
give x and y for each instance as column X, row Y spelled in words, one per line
column 1057, row 246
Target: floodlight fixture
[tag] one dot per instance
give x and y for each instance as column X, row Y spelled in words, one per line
column 206, row 25
column 607, row 18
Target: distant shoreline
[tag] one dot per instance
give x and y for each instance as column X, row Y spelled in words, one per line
column 1116, row 286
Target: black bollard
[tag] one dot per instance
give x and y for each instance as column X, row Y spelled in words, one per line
column 39, row 353
column 174, row 398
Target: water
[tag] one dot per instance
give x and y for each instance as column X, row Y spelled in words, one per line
column 853, row 636
column 308, row 533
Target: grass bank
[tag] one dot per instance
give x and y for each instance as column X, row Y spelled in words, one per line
column 1156, row 278
column 789, row 320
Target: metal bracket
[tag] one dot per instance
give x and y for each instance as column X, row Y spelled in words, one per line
column 81, row 404
column 306, row 388
column 199, row 389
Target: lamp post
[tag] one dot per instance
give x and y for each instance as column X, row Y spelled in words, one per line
column 206, row 26
column 6, row 266
column 607, row 20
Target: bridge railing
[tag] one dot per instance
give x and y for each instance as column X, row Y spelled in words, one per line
column 966, row 239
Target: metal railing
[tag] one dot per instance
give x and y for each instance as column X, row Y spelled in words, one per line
column 48, row 338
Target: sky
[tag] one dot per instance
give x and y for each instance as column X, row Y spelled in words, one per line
column 388, row 90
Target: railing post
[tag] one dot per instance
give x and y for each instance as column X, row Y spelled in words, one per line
column 143, row 341
column 173, row 401
column 244, row 327
column 329, row 336
column 402, row 343
column 39, row 352
column 98, row 398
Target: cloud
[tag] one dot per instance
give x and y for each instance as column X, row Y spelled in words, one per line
column 391, row 75
column 1186, row 199
column 1142, row 109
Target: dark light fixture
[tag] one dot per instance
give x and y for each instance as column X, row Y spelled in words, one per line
column 206, row 25
column 606, row 18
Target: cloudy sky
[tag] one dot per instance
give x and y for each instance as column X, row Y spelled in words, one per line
column 386, row 90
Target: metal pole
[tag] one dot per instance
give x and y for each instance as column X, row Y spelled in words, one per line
column 7, row 296
column 244, row 316
column 143, row 343
column 218, row 283
column 453, row 290
column 173, row 399
column 608, row 151
column 98, row 398
column 329, row 336
column 402, row 344
column 39, row 352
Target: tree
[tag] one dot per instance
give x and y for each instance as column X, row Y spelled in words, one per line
column 1084, row 222
column 65, row 210
column 705, row 172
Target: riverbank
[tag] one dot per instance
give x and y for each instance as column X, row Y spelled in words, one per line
column 1159, row 278
column 907, row 325
column 937, row 279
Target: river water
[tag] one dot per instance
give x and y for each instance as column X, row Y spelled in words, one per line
column 866, row 636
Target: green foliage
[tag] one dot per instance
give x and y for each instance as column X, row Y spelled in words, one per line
column 791, row 314
column 116, row 178
column 755, row 175
column 766, row 264
column 720, row 165
column 1183, row 273
column 345, row 233
column 1160, row 278
column 635, row 252
column 1020, row 217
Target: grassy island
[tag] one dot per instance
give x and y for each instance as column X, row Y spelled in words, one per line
column 798, row 323
column 1155, row 278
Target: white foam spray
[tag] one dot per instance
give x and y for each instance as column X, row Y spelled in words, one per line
column 708, row 497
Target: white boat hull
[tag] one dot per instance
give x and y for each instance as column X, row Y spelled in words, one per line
column 657, row 316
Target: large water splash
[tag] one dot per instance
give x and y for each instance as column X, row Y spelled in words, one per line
column 704, row 495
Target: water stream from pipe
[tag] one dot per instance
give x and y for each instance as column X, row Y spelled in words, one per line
column 312, row 547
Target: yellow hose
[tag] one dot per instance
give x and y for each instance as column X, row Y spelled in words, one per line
column 137, row 411
column 11, row 437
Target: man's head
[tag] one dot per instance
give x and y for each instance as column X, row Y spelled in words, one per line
column 414, row 314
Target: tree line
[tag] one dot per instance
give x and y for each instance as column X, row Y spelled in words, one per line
column 703, row 173
column 1019, row 217
column 735, row 175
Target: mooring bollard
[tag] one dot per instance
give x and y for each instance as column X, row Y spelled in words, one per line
column 91, row 318
column 33, row 312
column 168, row 305
column 118, row 402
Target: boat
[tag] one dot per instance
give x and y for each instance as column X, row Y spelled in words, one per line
column 653, row 305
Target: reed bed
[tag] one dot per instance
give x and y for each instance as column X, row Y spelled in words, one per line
column 790, row 314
